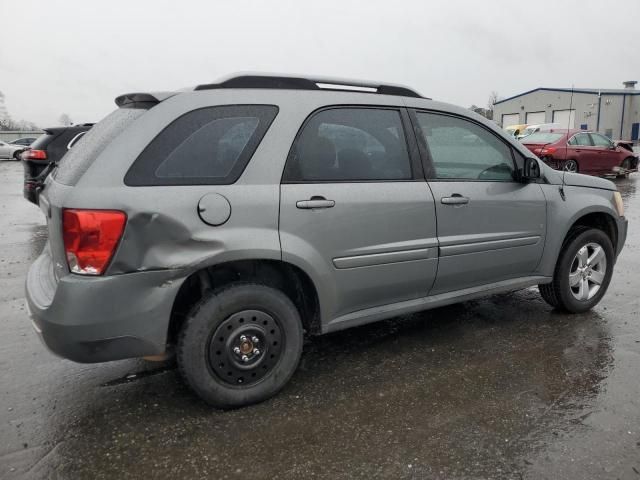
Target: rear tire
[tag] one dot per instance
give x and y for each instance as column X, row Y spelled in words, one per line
column 571, row 166
column 240, row 345
column 582, row 273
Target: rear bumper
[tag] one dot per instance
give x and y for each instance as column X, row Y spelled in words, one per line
column 98, row 319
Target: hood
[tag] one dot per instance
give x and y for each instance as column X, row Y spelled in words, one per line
column 556, row 177
column 580, row 180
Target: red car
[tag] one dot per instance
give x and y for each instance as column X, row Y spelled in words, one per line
column 581, row 151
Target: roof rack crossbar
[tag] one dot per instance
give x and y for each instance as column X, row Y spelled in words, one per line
column 303, row 83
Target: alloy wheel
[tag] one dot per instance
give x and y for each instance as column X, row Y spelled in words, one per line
column 587, row 272
column 571, row 166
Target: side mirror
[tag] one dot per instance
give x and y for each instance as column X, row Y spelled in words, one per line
column 531, row 169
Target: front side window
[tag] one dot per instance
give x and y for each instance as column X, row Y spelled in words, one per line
column 350, row 144
column 206, row 146
column 600, row 141
column 461, row 149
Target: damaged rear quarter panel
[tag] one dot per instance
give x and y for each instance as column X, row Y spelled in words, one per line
column 166, row 231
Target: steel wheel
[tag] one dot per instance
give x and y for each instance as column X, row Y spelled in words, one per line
column 245, row 347
column 587, row 271
column 571, row 166
column 240, row 344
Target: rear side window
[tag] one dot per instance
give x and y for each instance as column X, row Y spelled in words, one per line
column 350, row 144
column 581, row 139
column 79, row 159
column 210, row 146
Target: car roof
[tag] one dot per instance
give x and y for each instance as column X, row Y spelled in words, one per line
column 264, row 81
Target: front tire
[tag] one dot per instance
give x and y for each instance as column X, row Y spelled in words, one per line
column 626, row 163
column 16, row 155
column 582, row 273
column 240, row 345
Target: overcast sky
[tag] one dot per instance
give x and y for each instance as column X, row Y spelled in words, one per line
column 77, row 56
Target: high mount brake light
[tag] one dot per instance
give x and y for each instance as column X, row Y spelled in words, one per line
column 91, row 238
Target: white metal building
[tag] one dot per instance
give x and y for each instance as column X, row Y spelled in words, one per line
column 612, row 112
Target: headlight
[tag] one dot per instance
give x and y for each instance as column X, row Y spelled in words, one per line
column 619, row 205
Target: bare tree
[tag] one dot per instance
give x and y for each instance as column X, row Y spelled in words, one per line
column 65, row 120
column 493, row 98
column 8, row 124
column 481, row 111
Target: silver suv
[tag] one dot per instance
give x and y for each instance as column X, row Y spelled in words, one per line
column 228, row 220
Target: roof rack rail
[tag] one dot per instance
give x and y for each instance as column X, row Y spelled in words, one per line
column 303, row 83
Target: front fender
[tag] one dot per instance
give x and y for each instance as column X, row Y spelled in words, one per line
column 562, row 215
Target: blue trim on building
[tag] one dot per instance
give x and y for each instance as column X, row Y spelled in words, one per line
column 567, row 90
column 624, row 100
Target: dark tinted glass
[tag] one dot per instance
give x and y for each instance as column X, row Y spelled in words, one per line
column 42, row 141
column 461, row 149
column 206, row 146
column 350, row 144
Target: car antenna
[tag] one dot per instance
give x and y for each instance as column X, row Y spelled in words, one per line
column 566, row 145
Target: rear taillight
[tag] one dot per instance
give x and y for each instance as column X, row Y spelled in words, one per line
column 548, row 151
column 34, row 155
column 91, row 238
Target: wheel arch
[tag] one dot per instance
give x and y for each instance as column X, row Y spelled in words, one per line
column 599, row 219
column 288, row 278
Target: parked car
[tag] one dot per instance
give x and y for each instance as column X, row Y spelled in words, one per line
column 45, row 153
column 231, row 219
column 9, row 151
column 515, row 130
column 24, row 141
column 582, row 151
column 542, row 127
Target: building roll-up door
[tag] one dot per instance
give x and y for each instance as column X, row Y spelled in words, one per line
column 536, row 118
column 509, row 119
column 566, row 118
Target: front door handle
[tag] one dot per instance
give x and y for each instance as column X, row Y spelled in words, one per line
column 455, row 199
column 315, row 202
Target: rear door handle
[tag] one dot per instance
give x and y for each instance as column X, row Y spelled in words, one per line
column 315, row 202
column 455, row 199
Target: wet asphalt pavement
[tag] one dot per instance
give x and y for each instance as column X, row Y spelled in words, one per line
column 499, row 388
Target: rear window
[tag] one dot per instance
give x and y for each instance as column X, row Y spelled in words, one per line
column 209, row 146
column 79, row 159
column 543, row 137
column 42, row 141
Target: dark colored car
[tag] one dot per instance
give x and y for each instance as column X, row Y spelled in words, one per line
column 45, row 153
column 24, row 141
column 581, row 151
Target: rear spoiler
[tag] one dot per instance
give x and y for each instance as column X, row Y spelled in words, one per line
column 142, row 100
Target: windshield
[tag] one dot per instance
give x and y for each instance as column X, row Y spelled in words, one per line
column 543, row 137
